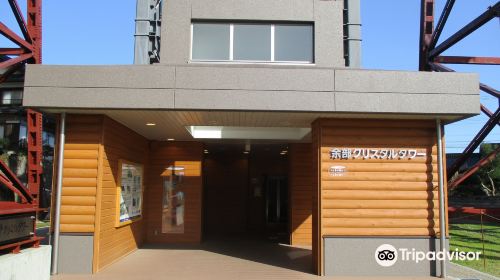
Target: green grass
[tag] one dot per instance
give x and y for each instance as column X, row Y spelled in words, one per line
column 42, row 224
column 467, row 237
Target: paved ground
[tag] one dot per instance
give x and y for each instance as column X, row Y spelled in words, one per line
column 218, row 260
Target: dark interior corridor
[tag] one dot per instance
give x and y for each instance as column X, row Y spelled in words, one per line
column 246, row 191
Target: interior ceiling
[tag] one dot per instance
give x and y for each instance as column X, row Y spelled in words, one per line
column 172, row 124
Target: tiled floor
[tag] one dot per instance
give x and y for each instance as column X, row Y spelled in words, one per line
column 220, row 259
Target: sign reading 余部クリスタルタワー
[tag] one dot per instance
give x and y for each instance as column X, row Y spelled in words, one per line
column 366, row 154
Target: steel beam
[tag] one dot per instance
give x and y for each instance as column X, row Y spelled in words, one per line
column 426, row 31
column 474, row 169
column 35, row 28
column 466, row 30
column 11, row 51
column 15, row 182
column 487, row 112
column 20, row 20
column 485, row 130
column 489, row 90
column 15, row 60
column 468, row 60
column 7, row 183
column 34, row 134
column 5, row 31
column 441, row 23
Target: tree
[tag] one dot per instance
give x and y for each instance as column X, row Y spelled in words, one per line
column 489, row 175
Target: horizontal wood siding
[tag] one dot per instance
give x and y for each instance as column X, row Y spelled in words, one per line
column 300, row 182
column 163, row 155
column 80, row 169
column 119, row 142
column 381, row 197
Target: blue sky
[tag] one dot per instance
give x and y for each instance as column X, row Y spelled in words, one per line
column 101, row 32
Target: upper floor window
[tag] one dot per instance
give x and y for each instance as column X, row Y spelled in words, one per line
column 253, row 42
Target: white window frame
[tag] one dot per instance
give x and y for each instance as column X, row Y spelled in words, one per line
column 231, row 59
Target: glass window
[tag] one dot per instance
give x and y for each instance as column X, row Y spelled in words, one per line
column 293, row 42
column 211, row 41
column 252, row 42
column 11, row 97
column 259, row 42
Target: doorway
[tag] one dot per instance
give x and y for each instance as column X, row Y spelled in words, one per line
column 246, row 191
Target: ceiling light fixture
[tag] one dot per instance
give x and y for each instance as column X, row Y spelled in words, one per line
column 248, row 133
column 150, row 124
column 170, row 139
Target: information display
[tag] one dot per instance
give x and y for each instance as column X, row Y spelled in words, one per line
column 130, row 191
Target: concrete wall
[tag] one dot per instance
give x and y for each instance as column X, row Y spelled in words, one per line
column 75, row 253
column 29, row 264
column 355, row 256
column 252, row 88
column 325, row 15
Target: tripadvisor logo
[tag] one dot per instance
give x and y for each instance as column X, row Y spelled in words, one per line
column 387, row 255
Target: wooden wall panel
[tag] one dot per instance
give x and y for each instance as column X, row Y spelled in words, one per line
column 384, row 197
column 300, row 184
column 80, row 168
column 163, row 155
column 119, row 142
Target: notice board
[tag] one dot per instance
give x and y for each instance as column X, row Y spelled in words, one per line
column 129, row 192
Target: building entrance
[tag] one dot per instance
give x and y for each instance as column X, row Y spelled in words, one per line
column 246, row 191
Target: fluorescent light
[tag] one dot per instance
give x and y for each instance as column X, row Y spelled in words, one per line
column 175, row 168
column 206, row 132
column 246, row 152
column 150, row 124
column 248, row 133
column 170, row 139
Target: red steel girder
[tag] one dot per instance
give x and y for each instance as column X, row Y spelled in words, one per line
column 34, row 127
column 489, row 90
column 7, row 183
column 441, row 23
column 487, row 112
column 468, row 60
column 20, row 20
column 11, row 51
column 426, row 32
column 474, row 169
column 35, row 27
column 485, row 130
column 489, row 14
column 15, row 60
column 12, row 178
column 9, row 34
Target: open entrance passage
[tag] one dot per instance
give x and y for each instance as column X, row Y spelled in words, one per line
column 246, row 200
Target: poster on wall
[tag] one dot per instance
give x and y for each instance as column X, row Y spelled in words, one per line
column 130, row 191
column 173, row 200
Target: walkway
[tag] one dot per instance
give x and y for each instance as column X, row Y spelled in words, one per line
column 232, row 259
